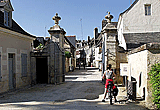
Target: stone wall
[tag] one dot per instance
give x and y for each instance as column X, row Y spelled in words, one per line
column 140, row 61
column 136, row 21
column 138, row 70
column 122, row 57
column 111, row 49
column 56, row 70
column 16, row 44
column 153, row 58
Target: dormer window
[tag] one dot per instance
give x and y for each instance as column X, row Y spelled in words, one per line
column 7, row 18
column 7, row 9
column 148, row 9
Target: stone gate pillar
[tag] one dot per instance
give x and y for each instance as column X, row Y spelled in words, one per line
column 56, row 51
column 110, row 43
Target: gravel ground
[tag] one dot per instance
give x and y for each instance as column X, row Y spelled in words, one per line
column 82, row 90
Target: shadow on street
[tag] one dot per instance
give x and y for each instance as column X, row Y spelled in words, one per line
column 82, row 90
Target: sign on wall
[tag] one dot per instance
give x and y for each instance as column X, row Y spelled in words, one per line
column 124, row 69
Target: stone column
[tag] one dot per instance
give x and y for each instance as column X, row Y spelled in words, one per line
column 110, row 34
column 56, row 48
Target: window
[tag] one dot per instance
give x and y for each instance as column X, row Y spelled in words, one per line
column 6, row 18
column 24, row 64
column 147, row 10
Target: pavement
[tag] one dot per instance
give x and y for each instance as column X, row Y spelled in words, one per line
column 82, row 90
column 94, row 75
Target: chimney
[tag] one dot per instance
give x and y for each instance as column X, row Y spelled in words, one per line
column 95, row 33
column 88, row 38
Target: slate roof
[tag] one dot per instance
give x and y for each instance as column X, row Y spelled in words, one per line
column 99, row 39
column 69, row 41
column 72, row 40
column 134, row 40
column 15, row 27
column 130, row 7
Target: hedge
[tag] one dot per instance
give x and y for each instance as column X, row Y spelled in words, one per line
column 155, row 81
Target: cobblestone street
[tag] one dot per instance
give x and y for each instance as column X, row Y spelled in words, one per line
column 82, row 90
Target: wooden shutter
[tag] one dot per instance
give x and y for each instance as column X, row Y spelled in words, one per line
column 24, row 64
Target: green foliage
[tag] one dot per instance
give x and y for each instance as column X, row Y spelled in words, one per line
column 40, row 46
column 155, row 81
column 67, row 54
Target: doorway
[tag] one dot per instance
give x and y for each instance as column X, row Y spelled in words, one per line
column 42, row 70
column 11, row 68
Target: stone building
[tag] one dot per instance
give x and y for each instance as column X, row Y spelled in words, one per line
column 139, row 35
column 81, row 47
column 92, row 49
column 139, row 65
column 69, row 46
column 131, row 46
column 15, row 47
column 139, row 24
column 96, row 47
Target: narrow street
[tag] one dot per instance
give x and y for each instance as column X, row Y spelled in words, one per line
column 82, row 90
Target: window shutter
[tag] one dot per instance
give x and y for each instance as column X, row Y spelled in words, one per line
column 24, row 64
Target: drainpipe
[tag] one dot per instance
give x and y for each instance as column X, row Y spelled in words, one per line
column 103, row 56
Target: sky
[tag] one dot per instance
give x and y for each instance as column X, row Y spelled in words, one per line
column 35, row 16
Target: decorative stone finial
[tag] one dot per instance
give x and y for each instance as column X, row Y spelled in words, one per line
column 109, row 17
column 56, row 19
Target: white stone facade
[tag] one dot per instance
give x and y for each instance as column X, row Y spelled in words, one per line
column 134, row 20
column 98, row 57
column 138, row 66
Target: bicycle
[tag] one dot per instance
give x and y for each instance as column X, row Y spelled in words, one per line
column 110, row 91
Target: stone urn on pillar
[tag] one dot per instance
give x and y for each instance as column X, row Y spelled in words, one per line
column 110, row 43
column 56, row 51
